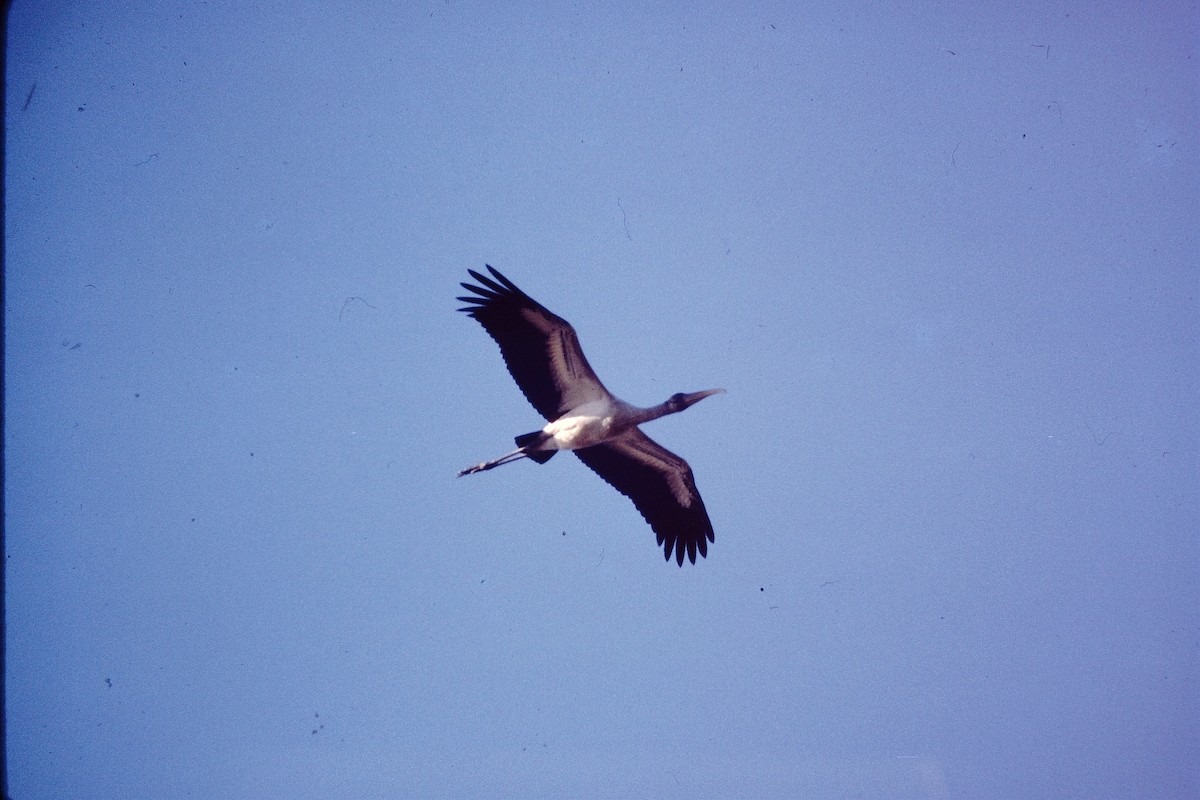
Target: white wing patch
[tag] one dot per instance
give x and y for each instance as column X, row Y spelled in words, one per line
column 675, row 468
column 682, row 493
column 538, row 320
column 568, row 367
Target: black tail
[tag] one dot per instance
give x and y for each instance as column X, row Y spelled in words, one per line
column 529, row 441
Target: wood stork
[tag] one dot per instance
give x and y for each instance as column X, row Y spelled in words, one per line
column 544, row 357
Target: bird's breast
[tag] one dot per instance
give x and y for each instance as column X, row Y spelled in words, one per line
column 576, row 430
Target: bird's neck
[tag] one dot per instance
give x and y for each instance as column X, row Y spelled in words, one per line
column 640, row 415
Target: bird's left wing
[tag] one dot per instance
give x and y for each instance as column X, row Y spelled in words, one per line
column 539, row 348
column 662, row 487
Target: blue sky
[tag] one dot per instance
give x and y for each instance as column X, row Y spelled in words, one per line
column 943, row 259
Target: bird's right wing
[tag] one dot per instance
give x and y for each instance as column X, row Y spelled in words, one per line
column 662, row 487
column 539, row 348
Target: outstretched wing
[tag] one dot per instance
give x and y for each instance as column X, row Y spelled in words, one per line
column 662, row 487
column 539, row 348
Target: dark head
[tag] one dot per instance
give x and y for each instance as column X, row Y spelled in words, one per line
column 681, row 400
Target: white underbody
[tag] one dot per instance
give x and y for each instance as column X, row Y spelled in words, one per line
column 591, row 423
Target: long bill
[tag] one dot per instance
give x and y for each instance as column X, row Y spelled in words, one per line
column 696, row 397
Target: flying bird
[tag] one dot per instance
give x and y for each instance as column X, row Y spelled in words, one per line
column 543, row 355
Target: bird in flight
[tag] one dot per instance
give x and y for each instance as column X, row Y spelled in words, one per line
column 543, row 355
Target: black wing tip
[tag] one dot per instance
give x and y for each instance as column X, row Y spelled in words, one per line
column 481, row 297
column 484, row 294
column 494, row 287
column 489, row 289
column 689, row 547
column 500, row 277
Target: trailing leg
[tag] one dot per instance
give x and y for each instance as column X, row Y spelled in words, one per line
column 504, row 459
column 527, row 445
